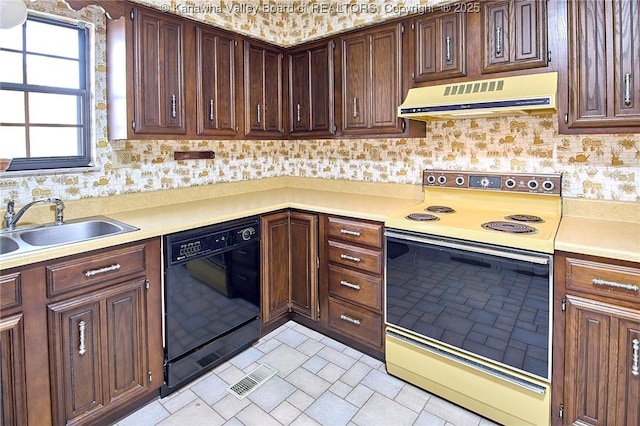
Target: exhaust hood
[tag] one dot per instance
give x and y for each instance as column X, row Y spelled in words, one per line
column 483, row 98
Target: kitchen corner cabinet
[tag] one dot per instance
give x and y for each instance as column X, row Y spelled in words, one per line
column 597, row 373
column 289, row 262
column 440, row 47
column 13, row 386
column 514, row 35
column 216, row 83
column 352, row 296
column 311, row 91
column 371, row 79
column 603, row 91
column 263, row 91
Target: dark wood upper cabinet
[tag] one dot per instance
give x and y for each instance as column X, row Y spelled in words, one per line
column 440, row 47
column 514, row 35
column 371, row 63
column 159, row 95
column 263, row 90
column 603, row 90
column 311, row 91
column 216, row 82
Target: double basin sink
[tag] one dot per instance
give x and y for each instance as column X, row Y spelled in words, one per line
column 28, row 239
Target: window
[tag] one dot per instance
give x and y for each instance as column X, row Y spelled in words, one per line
column 45, row 92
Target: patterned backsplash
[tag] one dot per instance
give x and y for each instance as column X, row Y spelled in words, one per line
column 603, row 167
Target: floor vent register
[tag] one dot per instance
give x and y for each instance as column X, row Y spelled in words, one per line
column 251, row 381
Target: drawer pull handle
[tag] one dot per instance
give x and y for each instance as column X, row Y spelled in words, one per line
column 448, row 43
column 627, row 89
column 351, row 258
column 173, row 106
column 81, row 329
column 498, row 41
column 91, row 272
column 355, row 107
column 348, row 232
column 211, row 116
column 343, row 317
column 630, row 287
column 350, row 285
column 635, row 370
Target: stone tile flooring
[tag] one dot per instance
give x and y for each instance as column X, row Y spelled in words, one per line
column 320, row 382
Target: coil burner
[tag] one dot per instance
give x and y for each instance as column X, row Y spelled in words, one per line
column 525, row 218
column 440, row 209
column 422, row 217
column 509, row 227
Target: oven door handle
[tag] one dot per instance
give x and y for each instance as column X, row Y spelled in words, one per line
column 476, row 249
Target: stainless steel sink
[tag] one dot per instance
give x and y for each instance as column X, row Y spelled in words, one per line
column 34, row 238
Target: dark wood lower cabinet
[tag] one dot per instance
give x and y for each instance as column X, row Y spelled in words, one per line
column 13, row 384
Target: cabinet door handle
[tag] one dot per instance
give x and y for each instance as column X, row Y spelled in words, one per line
column 348, row 232
column 81, row 331
column 498, row 40
column 624, row 286
column 350, row 285
column 173, row 106
column 355, row 107
column 627, row 89
column 351, row 258
column 91, row 272
column 258, row 111
column 635, row 369
column 448, row 43
column 298, row 117
column 210, row 109
column 346, row 318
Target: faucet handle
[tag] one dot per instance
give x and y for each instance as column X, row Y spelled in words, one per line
column 11, row 206
column 59, row 210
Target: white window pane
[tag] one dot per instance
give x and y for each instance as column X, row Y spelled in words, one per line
column 53, row 141
column 50, row 108
column 52, row 72
column 12, row 142
column 52, row 39
column 11, row 38
column 11, row 106
column 11, row 68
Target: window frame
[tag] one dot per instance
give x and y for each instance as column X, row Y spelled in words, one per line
column 85, row 157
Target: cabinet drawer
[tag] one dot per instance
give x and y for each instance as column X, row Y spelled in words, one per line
column 356, row 257
column 88, row 271
column 10, row 291
column 355, row 231
column 356, row 322
column 619, row 282
column 356, row 287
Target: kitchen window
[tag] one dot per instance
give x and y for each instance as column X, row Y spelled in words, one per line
column 45, row 87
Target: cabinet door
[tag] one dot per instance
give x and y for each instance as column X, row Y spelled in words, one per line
column 216, row 83
column 515, row 35
column 299, row 92
column 386, row 90
column 13, row 406
column 304, row 264
column 254, row 86
column 439, row 47
column 626, row 61
column 274, row 241
column 355, row 82
column 628, row 372
column 158, row 65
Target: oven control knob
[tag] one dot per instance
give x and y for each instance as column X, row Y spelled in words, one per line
column 431, row 179
column 460, row 180
column 442, row 179
column 485, row 182
column 247, row 233
column 510, row 183
column 533, row 184
column 547, row 185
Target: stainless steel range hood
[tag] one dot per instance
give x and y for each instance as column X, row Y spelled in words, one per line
column 482, row 98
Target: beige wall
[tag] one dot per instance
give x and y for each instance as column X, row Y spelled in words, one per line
column 594, row 166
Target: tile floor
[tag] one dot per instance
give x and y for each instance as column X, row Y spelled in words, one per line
column 319, row 382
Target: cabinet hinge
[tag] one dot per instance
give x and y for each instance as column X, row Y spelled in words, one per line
column 413, row 27
column 563, row 304
column 318, row 262
column 131, row 14
column 235, row 43
column 146, row 283
column 561, row 411
column 333, row 44
column 150, row 377
column 133, row 125
column 566, row 118
column 549, row 57
column 413, row 75
column 401, row 28
column 289, row 306
column 404, row 124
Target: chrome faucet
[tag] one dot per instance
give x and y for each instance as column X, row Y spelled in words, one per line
column 11, row 218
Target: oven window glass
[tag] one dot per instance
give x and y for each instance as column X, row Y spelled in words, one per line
column 486, row 305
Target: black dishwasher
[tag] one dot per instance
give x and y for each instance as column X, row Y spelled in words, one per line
column 211, row 298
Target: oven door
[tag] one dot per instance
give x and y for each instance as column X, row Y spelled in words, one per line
column 489, row 302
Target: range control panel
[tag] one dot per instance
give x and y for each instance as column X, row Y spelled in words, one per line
column 550, row 184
